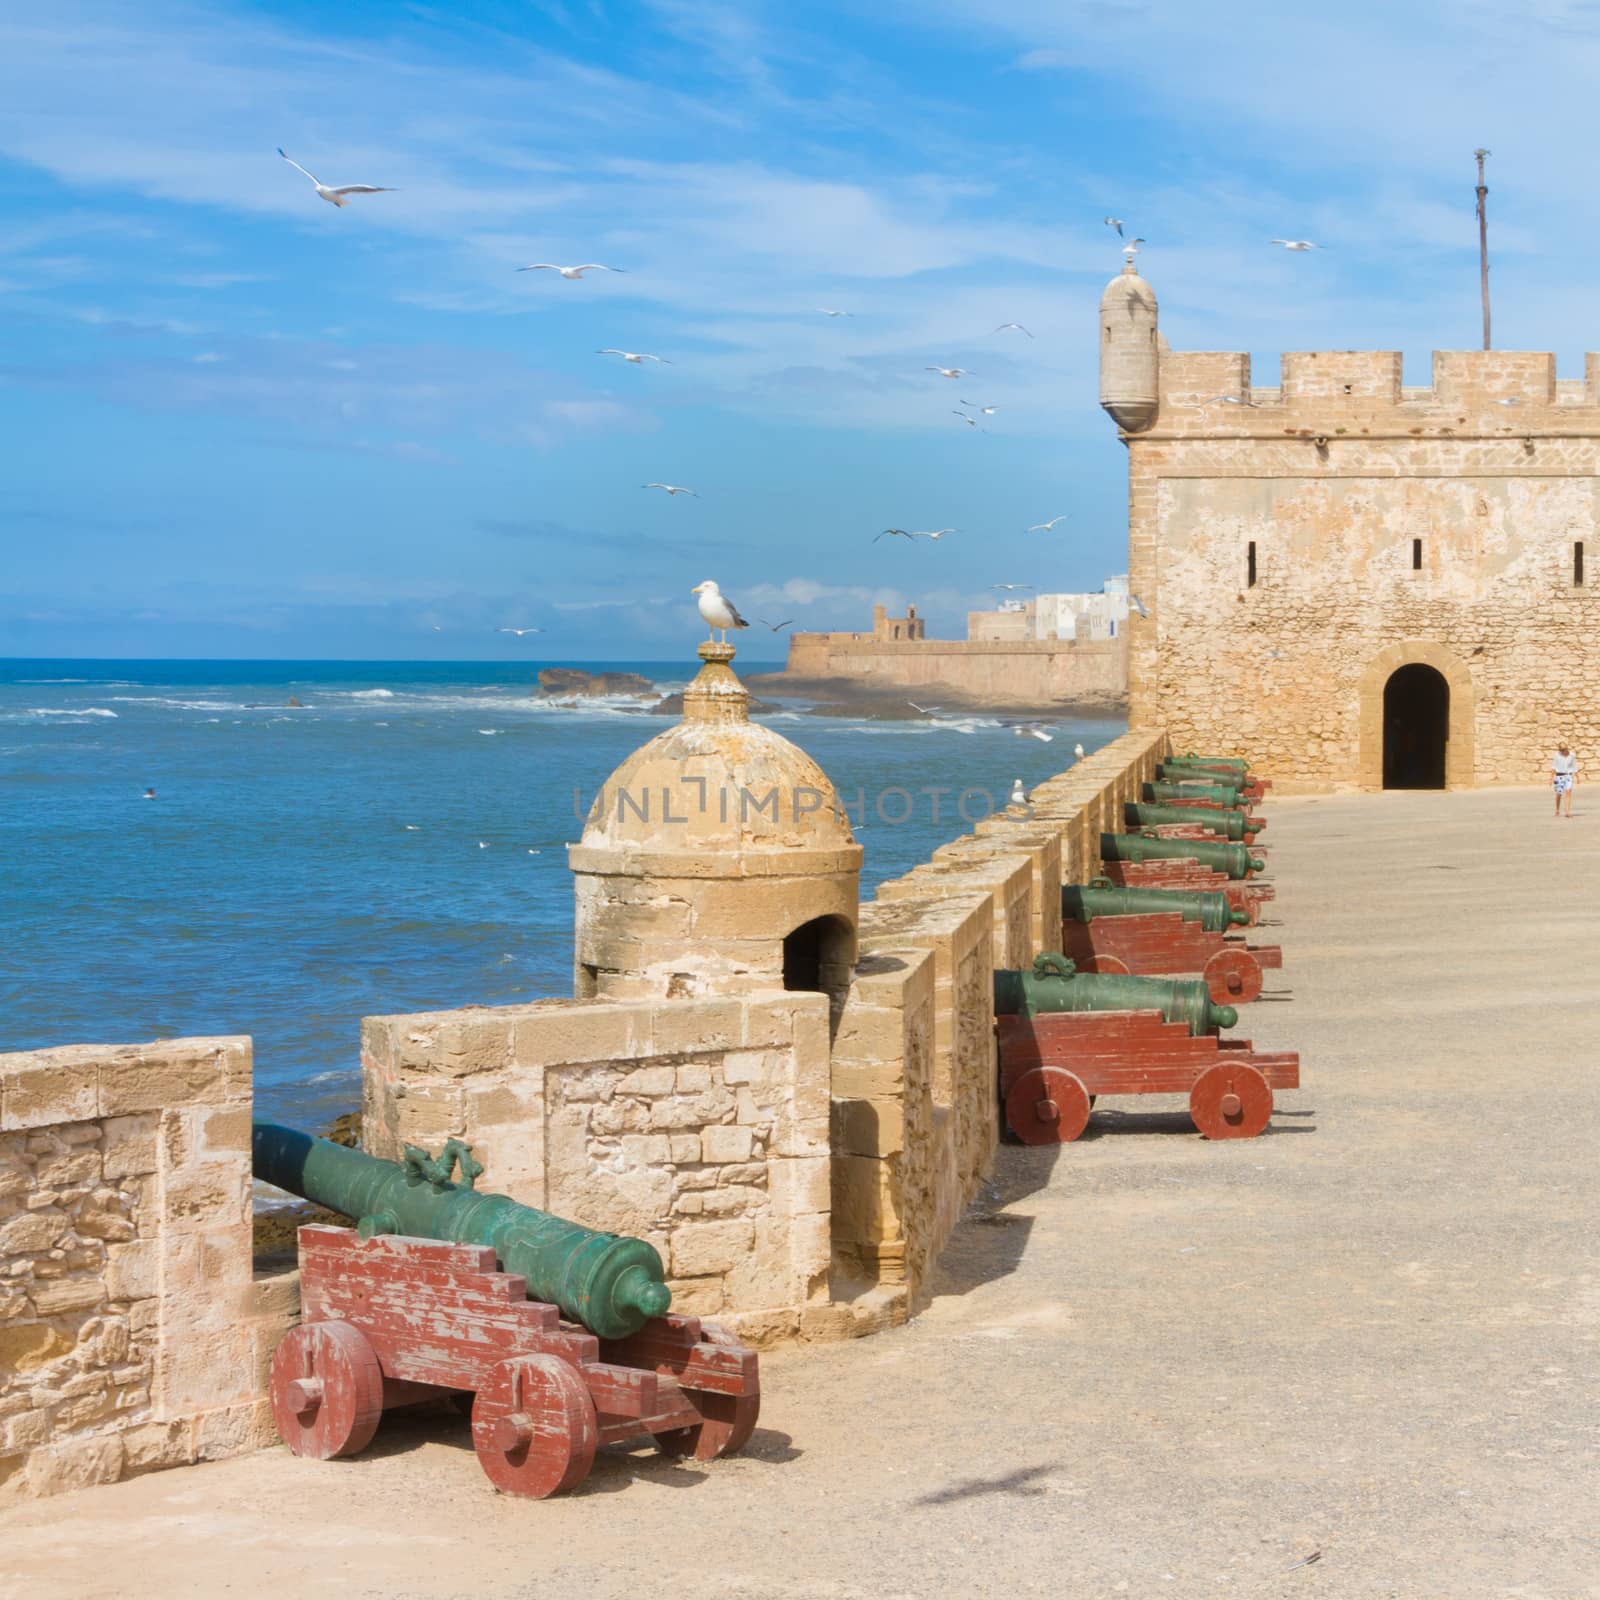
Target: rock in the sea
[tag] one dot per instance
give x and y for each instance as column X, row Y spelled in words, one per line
column 567, row 681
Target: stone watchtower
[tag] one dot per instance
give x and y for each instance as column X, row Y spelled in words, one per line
column 1356, row 582
column 716, row 860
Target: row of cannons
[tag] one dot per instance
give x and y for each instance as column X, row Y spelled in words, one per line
column 1153, row 969
column 556, row 1339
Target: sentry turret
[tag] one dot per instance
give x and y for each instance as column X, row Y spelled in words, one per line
column 1130, row 351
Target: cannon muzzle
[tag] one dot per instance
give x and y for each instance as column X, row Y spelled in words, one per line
column 1233, row 859
column 1054, row 983
column 611, row 1284
column 1084, row 902
column 1230, row 824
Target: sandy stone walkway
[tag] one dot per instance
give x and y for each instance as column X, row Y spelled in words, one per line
column 1154, row 1366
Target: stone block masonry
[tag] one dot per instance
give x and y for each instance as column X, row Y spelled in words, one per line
column 698, row 1125
column 1299, row 546
column 133, row 1333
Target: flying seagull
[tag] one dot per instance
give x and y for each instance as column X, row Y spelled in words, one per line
column 717, row 608
column 1509, row 400
column 829, row 311
column 775, row 626
column 519, row 631
column 635, row 356
column 1045, row 527
column 1131, row 248
column 1032, row 730
column 337, row 196
column 1011, row 586
column 1017, row 325
column 936, row 535
column 988, row 411
column 1296, row 244
column 898, row 533
column 949, row 372
column 1115, row 222
column 971, row 422
column 1228, row 400
column 569, row 272
column 927, row 711
column 1138, row 605
column 672, row 488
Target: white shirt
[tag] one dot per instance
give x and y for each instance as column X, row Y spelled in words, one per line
column 1563, row 763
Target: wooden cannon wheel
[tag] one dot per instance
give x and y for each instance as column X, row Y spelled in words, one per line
column 1104, row 963
column 1231, row 1101
column 1047, row 1105
column 1232, row 975
column 326, row 1390
column 729, row 1419
column 534, row 1427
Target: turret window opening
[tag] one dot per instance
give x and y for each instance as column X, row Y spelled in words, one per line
column 1250, row 565
column 1416, row 555
column 1577, row 564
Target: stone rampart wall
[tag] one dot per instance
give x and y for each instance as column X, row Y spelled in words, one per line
column 915, row 1112
column 699, row 1125
column 133, row 1333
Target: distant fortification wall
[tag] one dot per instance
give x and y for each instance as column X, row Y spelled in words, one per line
column 984, row 672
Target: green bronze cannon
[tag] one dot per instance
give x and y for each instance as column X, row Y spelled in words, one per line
column 1230, row 766
column 1233, row 859
column 1084, row 902
column 1224, row 794
column 1229, row 824
column 612, row 1285
column 1054, row 983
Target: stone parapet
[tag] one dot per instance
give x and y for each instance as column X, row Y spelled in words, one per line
column 133, row 1333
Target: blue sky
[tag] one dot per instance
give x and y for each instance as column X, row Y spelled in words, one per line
column 241, row 422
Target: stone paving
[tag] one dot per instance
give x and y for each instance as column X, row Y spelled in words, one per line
column 1153, row 1366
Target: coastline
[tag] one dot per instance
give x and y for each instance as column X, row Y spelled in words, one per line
column 892, row 702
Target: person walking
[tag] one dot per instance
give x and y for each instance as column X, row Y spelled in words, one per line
column 1563, row 774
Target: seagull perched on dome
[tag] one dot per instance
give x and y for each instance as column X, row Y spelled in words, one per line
column 717, row 608
column 336, row 195
column 1131, row 248
column 571, row 273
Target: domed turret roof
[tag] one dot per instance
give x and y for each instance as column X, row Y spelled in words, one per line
column 718, row 786
column 1128, row 289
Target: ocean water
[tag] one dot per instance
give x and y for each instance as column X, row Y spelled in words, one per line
column 395, row 843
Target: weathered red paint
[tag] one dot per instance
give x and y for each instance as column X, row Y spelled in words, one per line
column 1163, row 942
column 392, row 1320
column 1133, row 1052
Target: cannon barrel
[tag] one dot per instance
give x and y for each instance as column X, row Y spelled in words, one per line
column 1230, row 824
column 611, row 1284
column 1233, row 859
column 1082, row 902
column 1232, row 764
column 1224, row 794
column 1054, row 983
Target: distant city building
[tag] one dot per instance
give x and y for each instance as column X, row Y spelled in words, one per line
column 1067, row 618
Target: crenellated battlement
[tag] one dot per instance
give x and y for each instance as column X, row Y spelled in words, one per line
column 1518, row 384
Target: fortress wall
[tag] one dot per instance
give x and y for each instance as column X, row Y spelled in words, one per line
column 1020, row 672
column 700, row 1125
column 1493, row 468
column 133, row 1334
column 915, row 1112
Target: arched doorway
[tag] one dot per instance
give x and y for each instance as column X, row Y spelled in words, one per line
column 1416, row 727
column 820, row 956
